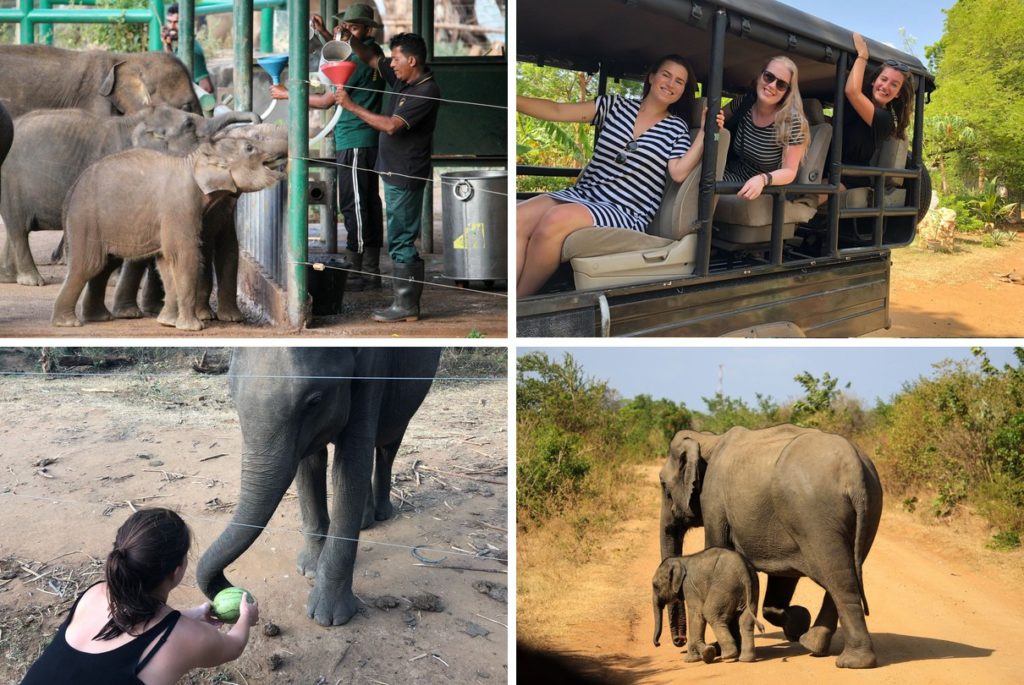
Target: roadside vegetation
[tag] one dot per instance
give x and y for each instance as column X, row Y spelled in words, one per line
column 949, row 443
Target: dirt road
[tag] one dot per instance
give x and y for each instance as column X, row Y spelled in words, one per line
column 173, row 440
column 943, row 610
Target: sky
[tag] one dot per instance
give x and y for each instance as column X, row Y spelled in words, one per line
column 686, row 374
column 881, row 20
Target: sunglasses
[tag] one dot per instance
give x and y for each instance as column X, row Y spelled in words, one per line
column 768, row 77
column 900, row 66
column 621, row 157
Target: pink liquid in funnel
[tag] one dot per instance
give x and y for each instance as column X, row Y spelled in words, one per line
column 338, row 72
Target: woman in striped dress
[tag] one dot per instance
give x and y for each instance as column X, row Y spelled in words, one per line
column 769, row 131
column 622, row 186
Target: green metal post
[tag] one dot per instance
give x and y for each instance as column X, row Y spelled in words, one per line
column 329, row 210
column 155, row 24
column 298, row 167
column 46, row 30
column 267, row 29
column 243, row 55
column 26, row 30
column 187, row 34
column 423, row 24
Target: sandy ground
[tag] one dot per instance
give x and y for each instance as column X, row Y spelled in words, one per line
column 446, row 312
column 957, row 295
column 171, row 438
column 943, row 610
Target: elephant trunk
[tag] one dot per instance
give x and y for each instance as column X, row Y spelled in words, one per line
column 658, row 606
column 672, row 545
column 266, row 475
column 219, row 122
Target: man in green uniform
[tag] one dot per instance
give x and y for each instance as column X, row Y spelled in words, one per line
column 355, row 145
column 169, row 36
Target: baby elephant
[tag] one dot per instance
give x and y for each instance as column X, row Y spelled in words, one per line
column 718, row 587
column 140, row 203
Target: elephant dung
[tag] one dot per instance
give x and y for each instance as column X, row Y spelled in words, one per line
column 427, row 601
column 492, row 590
column 386, row 602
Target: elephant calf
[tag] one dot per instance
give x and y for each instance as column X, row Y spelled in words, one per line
column 718, row 586
column 140, row 203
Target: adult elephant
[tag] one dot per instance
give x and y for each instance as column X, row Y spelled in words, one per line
column 795, row 502
column 105, row 83
column 6, row 137
column 52, row 148
column 291, row 403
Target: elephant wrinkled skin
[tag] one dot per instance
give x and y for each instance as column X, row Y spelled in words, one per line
column 140, row 203
column 104, row 83
column 291, row 403
column 795, row 502
column 719, row 587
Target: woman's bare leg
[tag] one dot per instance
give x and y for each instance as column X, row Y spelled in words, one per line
column 528, row 216
column 544, row 251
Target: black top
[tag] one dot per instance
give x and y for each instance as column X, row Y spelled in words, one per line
column 62, row 663
column 860, row 140
column 407, row 151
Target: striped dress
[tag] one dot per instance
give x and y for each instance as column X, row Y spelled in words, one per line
column 755, row 150
column 626, row 194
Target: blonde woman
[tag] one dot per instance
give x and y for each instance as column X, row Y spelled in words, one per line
column 769, row 130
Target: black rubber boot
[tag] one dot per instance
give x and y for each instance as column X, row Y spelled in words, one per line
column 355, row 281
column 408, row 284
column 371, row 265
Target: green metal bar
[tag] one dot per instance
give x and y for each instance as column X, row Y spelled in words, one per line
column 155, row 24
column 243, row 55
column 267, row 29
column 298, row 168
column 187, row 34
column 73, row 16
column 45, row 30
column 423, row 24
column 226, row 7
column 26, row 31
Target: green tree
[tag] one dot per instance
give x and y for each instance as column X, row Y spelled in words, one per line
column 980, row 75
column 947, row 135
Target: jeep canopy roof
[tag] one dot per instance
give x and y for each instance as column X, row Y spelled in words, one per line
column 627, row 37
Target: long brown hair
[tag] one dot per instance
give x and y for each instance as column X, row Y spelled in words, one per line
column 901, row 106
column 683, row 107
column 149, row 546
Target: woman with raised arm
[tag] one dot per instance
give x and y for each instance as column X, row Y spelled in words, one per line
column 769, row 130
column 121, row 631
column 638, row 141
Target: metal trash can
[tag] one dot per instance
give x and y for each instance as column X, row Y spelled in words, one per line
column 474, row 216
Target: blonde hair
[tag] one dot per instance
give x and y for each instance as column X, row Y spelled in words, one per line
column 791, row 108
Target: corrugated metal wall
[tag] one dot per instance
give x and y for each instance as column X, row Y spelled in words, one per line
column 261, row 221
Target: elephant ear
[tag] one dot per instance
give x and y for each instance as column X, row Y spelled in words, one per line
column 212, row 172
column 125, row 89
column 676, row 577
column 691, row 479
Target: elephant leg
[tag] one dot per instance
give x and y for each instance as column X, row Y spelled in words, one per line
column 77, row 277
column 818, row 639
column 93, row 306
column 726, row 641
column 696, row 648
column 794, row 620
column 59, row 255
column 152, row 290
column 843, row 593
column 169, row 312
column 186, row 264
column 127, row 291
column 383, row 510
column 331, row 602
column 204, row 284
column 25, row 266
column 746, row 637
column 225, row 259
column 8, row 273
column 311, row 481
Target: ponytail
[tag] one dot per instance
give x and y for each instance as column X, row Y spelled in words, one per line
column 149, row 546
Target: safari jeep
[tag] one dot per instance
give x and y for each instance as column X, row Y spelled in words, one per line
column 710, row 263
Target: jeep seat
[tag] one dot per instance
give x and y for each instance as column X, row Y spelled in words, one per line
column 606, row 257
column 891, row 155
column 740, row 224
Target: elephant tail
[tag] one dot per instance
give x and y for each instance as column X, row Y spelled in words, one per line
column 753, row 593
column 861, row 544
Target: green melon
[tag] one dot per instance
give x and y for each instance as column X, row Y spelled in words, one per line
column 227, row 602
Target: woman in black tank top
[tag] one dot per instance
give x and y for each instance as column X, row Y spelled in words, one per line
column 148, row 560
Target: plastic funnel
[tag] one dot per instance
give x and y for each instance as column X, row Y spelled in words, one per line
column 338, row 72
column 273, row 65
column 335, row 51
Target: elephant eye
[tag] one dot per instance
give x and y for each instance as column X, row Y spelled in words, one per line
column 249, row 147
column 314, row 399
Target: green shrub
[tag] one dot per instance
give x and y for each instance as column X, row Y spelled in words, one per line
column 1005, row 541
column 551, row 472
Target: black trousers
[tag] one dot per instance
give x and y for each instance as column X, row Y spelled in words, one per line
column 359, row 198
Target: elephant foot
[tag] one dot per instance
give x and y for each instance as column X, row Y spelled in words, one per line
column 97, row 315
column 798, row 620
column 127, row 311
column 857, row 658
column 386, row 512
column 307, row 562
column 368, row 519
column 189, row 324
column 331, row 609
column 708, row 654
column 167, row 318
column 31, row 279
column 693, row 656
column 65, row 320
column 817, row 640
column 229, row 313
column 205, row 313
column 747, row 656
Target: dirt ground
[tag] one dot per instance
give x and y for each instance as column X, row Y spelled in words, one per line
column 170, row 438
column 943, row 610
column 446, row 312
column 957, row 295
